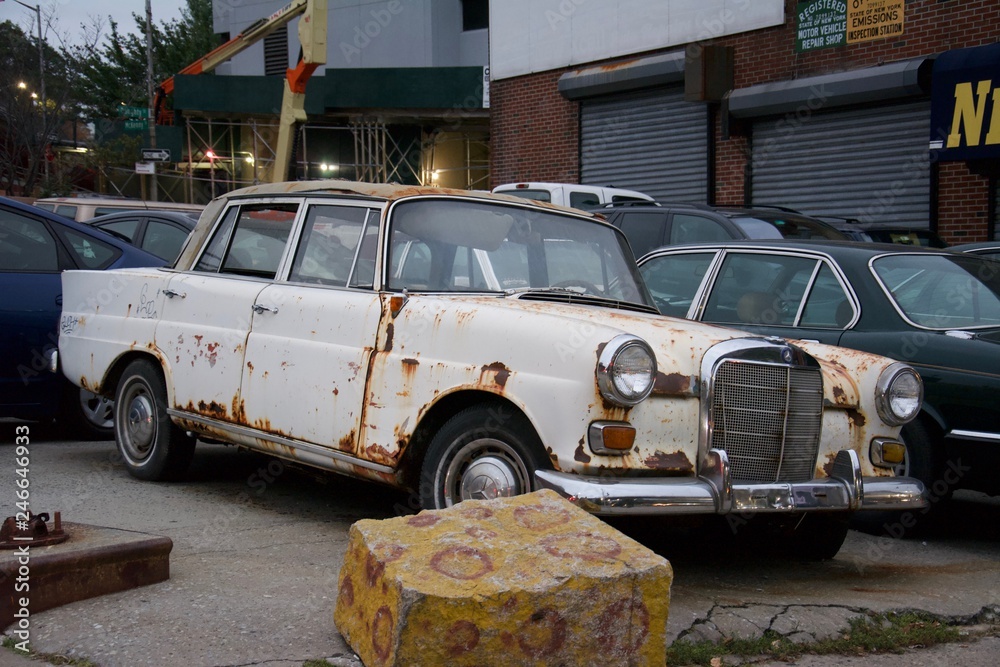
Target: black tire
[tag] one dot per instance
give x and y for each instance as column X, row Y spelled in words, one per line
column 494, row 440
column 819, row 536
column 86, row 415
column 151, row 446
column 925, row 458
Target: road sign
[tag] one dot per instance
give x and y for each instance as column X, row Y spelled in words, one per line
column 145, row 168
column 156, row 154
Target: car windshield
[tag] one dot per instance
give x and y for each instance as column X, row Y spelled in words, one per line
column 784, row 226
column 447, row 245
column 942, row 292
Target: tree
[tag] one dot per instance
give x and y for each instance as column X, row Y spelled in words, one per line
column 115, row 74
column 30, row 121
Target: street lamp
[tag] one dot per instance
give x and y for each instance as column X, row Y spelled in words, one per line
column 41, row 73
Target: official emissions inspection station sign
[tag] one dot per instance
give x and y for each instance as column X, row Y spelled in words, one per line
column 826, row 23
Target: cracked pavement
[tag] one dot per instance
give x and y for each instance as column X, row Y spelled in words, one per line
column 258, row 547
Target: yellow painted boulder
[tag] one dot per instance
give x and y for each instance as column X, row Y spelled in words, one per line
column 529, row 580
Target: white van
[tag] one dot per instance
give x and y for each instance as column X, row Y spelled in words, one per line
column 82, row 209
column 570, row 194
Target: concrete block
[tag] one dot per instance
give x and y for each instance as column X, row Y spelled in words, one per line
column 94, row 561
column 529, row 580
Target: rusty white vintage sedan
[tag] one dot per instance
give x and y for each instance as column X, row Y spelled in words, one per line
column 468, row 345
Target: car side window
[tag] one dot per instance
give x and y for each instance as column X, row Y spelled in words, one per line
column 330, row 240
column 685, row 228
column 67, row 211
column 89, row 252
column 26, row 245
column 250, row 240
column 674, row 279
column 760, row 289
column 126, row 228
column 827, row 306
column 163, row 239
column 644, row 231
column 583, row 200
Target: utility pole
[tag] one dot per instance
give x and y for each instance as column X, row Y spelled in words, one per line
column 151, row 121
column 41, row 79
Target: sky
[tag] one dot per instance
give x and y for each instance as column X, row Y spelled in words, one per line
column 71, row 14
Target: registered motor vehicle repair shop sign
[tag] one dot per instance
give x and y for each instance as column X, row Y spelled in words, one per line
column 828, row 23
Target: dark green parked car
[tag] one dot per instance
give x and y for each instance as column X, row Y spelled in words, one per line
column 934, row 309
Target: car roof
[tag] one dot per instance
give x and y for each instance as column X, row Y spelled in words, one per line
column 834, row 248
column 965, row 247
column 186, row 218
column 132, row 253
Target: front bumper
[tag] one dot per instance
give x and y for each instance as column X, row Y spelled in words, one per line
column 713, row 492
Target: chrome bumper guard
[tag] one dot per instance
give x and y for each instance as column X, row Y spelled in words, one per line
column 713, row 492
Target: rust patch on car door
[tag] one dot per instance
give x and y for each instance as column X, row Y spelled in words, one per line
column 500, row 374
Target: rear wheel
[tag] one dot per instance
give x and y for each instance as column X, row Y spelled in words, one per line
column 152, row 447
column 483, row 452
column 86, row 414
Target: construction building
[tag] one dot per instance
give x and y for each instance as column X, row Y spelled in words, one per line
column 403, row 97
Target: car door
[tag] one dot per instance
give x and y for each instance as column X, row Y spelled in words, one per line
column 207, row 312
column 307, row 355
column 30, row 265
column 779, row 293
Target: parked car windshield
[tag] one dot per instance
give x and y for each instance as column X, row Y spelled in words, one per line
column 938, row 292
column 449, row 245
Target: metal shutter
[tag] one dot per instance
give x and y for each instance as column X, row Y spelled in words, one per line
column 652, row 141
column 869, row 164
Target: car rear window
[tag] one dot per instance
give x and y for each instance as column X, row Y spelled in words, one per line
column 89, row 252
column 939, row 292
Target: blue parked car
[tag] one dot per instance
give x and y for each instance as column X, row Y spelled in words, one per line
column 35, row 248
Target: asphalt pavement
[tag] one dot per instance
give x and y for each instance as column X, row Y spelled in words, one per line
column 258, row 547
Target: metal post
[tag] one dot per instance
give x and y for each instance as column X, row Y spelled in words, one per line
column 41, row 79
column 150, row 120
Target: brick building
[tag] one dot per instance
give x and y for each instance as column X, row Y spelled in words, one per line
column 877, row 110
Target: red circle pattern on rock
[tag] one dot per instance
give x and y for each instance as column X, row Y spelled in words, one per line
column 479, row 513
column 585, row 546
column 480, row 533
column 346, row 592
column 461, row 562
column 543, row 634
column 382, row 633
column 463, row 636
column 539, row 517
column 423, row 520
column 623, row 626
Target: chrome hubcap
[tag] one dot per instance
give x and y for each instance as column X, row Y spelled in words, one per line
column 489, row 477
column 141, row 427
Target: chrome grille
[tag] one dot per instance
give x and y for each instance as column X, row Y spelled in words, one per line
column 767, row 418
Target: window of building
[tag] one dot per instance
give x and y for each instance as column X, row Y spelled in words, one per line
column 475, row 14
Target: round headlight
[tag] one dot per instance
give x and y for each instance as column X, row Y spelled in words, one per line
column 626, row 370
column 899, row 394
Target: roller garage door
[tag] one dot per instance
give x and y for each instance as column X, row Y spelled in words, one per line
column 870, row 164
column 651, row 140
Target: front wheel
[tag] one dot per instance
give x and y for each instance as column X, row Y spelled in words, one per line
column 483, row 452
column 152, row 447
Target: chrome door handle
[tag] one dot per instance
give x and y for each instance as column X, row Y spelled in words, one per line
column 170, row 293
column 257, row 308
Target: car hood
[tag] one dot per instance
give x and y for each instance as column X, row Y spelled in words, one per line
column 679, row 344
